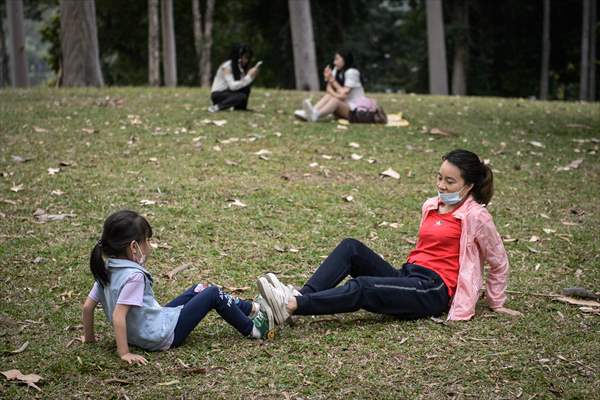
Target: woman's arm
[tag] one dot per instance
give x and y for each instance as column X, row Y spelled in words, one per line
column 232, row 84
column 119, row 325
column 339, row 91
column 492, row 249
column 87, row 319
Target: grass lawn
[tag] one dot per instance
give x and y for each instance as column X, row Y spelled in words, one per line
column 121, row 147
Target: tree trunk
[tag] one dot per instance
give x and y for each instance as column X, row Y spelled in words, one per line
column 545, row 52
column 79, row 43
column 593, row 31
column 207, row 43
column 461, row 48
column 18, row 58
column 168, row 37
column 153, row 44
column 303, row 43
column 585, row 48
column 4, row 81
column 436, row 46
column 197, row 18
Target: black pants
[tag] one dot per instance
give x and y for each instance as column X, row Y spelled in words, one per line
column 226, row 99
column 410, row 292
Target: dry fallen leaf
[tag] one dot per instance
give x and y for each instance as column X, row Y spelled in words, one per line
column 236, row 203
column 342, row 127
column 536, row 144
column 173, row 382
column 356, row 157
column 57, row 192
column 19, row 159
column 548, row 230
column 42, row 217
column 30, row 379
column 578, row 302
column 263, row 152
column 343, row 121
column 354, row 145
column 391, row 173
column 17, row 188
column 534, row 238
column 20, row 349
column 327, row 157
column 174, row 271
column 348, row 198
column 572, row 165
column 89, row 130
column 313, row 164
column 439, row 132
column 37, row 129
column 53, row 171
column 145, row 202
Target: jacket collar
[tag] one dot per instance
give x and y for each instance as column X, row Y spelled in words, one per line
column 469, row 203
column 123, row 263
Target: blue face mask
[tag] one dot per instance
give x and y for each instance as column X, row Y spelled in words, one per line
column 450, row 198
column 142, row 260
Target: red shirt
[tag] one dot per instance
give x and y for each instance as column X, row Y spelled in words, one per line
column 438, row 247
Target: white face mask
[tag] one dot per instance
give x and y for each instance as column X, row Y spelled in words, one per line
column 142, row 260
column 450, row 198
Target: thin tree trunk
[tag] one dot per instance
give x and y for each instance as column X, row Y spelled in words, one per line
column 153, row 44
column 436, row 46
column 593, row 32
column 4, row 81
column 545, row 52
column 303, row 43
column 197, row 18
column 18, row 58
column 207, row 43
column 461, row 48
column 585, row 48
column 79, row 43
column 168, row 38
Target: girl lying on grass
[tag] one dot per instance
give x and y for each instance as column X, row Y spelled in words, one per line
column 443, row 273
column 124, row 288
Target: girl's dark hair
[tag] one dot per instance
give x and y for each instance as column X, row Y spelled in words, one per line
column 475, row 172
column 237, row 51
column 120, row 229
column 348, row 63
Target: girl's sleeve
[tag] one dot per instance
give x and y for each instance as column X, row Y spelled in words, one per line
column 132, row 292
column 233, row 84
column 352, row 78
column 95, row 292
column 493, row 252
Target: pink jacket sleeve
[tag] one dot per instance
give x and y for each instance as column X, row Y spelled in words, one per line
column 493, row 252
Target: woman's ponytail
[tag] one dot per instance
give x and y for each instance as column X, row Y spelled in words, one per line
column 97, row 265
column 484, row 191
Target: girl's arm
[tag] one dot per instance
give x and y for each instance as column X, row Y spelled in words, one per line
column 492, row 248
column 119, row 325
column 87, row 319
column 234, row 85
column 339, row 91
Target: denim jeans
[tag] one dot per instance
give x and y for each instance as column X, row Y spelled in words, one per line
column 410, row 292
column 197, row 304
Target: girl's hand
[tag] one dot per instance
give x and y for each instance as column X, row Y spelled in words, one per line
column 134, row 359
column 508, row 311
column 327, row 73
column 253, row 72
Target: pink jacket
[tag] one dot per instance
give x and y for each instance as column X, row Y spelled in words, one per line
column 479, row 243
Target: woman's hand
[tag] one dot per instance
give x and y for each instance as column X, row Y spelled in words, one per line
column 253, row 72
column 327, row 73
column 508, row 311
column 134, row 359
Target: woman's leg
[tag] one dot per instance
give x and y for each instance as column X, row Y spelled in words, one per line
column 195, row 308
column 343, row 110
column 226, row 99
column 350, row 257
column 322, row 101
column 418, row 293
column 328, row 107
column 243, row 101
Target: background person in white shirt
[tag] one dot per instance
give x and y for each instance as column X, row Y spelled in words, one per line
column 231, row 86
column 343, row 88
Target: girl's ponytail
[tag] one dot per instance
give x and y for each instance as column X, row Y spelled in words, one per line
column 484, row 191
column 97, row 265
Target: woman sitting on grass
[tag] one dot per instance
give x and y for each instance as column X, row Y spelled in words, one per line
column 124, row 288
column 343, row 89
column 444, row 271
column 231, row 86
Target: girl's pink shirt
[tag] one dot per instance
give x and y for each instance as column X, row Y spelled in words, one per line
column 479, row 243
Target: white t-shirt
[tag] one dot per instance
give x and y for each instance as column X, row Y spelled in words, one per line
column 352, row 81
column 224, row 79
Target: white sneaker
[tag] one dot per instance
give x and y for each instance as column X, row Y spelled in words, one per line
column 213, row 108
column 309, row 111
column 276, row 299
column 300, row 115
column 289, row 290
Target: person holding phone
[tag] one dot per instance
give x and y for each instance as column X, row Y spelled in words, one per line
column 344, row 88
column 231, row 86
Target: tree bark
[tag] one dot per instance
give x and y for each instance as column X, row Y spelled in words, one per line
column 207, row 43
column 436, row 46
column 545, row 52
column 593, row 30
column 153, row 44
column 168, row 38
column 4, row 81
column 18, row 57
column 461, row 48
column 303, row 43
column 585, row 48
column 197, row 18
column 79, row 43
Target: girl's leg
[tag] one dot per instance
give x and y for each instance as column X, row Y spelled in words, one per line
column 350, row 257
column 232, row 310
column 322, row 101
column 343, row 110
column 328, row 107
column 418, row 293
